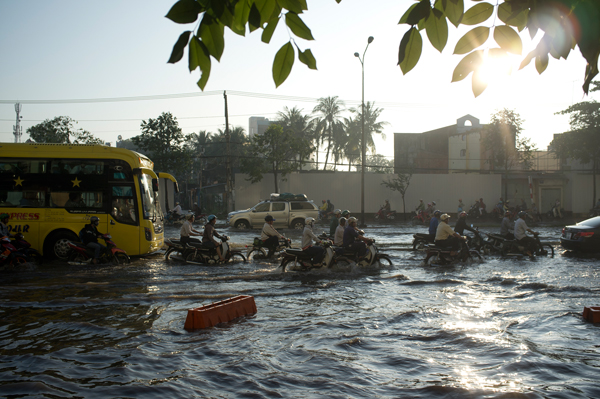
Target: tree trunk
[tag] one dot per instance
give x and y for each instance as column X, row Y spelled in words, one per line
column 275, row 177
column 328, row 149
column 403, row 208
column 594, row 177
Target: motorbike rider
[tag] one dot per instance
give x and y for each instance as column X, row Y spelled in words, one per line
column 353, row 240
column 338, row 238
column 4, row 217
column 335, row 221
column 187, row 230
column 461, row 206
column 177, row 211
column 420, row 207
column 520, row 232
column 461, row 224
column 323, row 208
column 482, row 210
column 208, row 237
column 500, row 206
column 445, row 237
column 507, row 226
column 433, row 224
column 317, row 253
column 429, row 208
column 387, row 207
column 89, row 236
column 556, row 209
column 269, row 236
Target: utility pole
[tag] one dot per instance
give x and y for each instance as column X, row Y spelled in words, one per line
column 18, row 129
column 228, row 188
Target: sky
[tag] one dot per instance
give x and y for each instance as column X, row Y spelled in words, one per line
column 107, row 62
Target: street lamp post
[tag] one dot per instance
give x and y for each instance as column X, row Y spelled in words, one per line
column 363, row 144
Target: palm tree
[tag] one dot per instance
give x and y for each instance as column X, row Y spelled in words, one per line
column 328, row 112
column 351, row 149
column 371, row 124
column 300, row 125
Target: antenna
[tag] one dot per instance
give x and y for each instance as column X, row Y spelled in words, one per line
column 18, row 129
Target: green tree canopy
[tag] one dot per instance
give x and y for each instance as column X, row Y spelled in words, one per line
column 497, row 30
column 61, row 130
column 399, row 183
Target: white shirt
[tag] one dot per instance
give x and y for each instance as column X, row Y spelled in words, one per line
column 269, row 231
column 520, row 229
column 186, row 229
column 177, row 209
column 338, row 238
column 308, row 236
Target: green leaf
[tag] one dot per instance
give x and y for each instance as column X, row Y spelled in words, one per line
column 541, row 62
column 179, row 46
column 268, row 31
column 410, row 50
column 404, row 19
column 211, row 32
column 468, row 64
column 296, row 6
column 454, row 11
column 200, row 57
column 508, row 39
column 421, row 11
column 265, row 9
column 437, row 29
column 562, row 44
column 282, row 64
column 306, row 57
column 477, row 14
column 513, row 13
column 240, row 17
column 478, row 84
column 472, row 39
column 184, row 11
column 297, row 26
column 254, row 18
column 527, row 59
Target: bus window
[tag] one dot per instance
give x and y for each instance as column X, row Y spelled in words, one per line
column 77, row 200
column 26, row 199
column 23, row 166
column 149, row 201
column 123, row 205
column 77, row 167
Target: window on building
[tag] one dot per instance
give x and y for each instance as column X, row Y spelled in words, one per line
column 463, row 153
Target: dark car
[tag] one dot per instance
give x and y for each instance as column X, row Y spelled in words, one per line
column 584, row 236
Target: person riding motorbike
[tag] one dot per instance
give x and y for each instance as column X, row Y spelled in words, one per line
column 353, row 240
column 4, row 217
column 89, row 236
column 335, row 221
column 461, row 206
column 338, row 238
column 323, row 208
column 269, row 236
column 482, row 210
column 461, row 224
column 387, row 207
column 507, row 226
column 445, row 237
column 433, row 224
column 556, row 209
column 429, row 208
column 500, row 206
column 177, row 210
column 520, row 233
column 316, row 252
column 420, row 207
column 208, row 237
column 187, row 231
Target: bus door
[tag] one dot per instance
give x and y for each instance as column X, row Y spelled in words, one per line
column 123, row 220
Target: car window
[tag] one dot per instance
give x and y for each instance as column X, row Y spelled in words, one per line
column 593, row 222
column 264, row 207
column 278, row 206
column 302, row 205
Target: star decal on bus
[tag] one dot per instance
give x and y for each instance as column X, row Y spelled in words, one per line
column 76, row 182
column 19, row 181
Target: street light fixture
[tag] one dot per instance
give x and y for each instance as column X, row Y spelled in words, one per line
column 363, row 145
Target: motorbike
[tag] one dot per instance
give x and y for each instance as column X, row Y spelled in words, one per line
column 298, row 260
column 174, row 247
column 421, row 217
column 370, row 257
column 512, row 248
column 550, row 214
column 473, row 212
column 383, row 214
column 420, row 240
column 173, row 218
column 493, row 244
column 195, row 253
column 476, row 242
column 9, row 256
column 24, row 247
column 258, row 251
column 437, row 256
column 80, row 254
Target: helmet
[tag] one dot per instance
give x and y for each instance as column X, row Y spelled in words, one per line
column 324, row 201
column 387, row 200
column 462, row 214
column 5, row 239
column 177, row 203
column 421, row 200
column 94, row 220
column 432, row 202
column 429, row 204
column 437, row 212
column 343, row 220
column 345, row 212
column 337, row 212
column 269, row 218
column 507, row 213
column 522, row 214
column 210, row 218
column 309, row 221
column 19, row 236
column 189, row 216
column 460, row 199
column 352, row 219
column 4, row 216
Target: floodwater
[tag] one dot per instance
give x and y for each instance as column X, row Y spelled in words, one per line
column 498, row 329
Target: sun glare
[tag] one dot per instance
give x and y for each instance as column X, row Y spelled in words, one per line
column 495, row 68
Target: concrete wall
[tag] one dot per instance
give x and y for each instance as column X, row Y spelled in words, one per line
column 344, row 190
column 579, row 192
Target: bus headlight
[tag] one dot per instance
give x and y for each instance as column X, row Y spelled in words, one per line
column 148, row 233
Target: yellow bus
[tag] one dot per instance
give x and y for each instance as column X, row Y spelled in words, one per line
column 51, row 191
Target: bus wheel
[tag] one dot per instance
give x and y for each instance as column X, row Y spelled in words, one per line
column 56, row 245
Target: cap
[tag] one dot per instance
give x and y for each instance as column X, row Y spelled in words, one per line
column 445, row 216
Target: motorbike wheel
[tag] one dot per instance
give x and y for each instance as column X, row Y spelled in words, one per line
column 419, row 245
column 376, row 216
column 237, row 257
column 169, row 252
column 384, row 261
column 190, row 257
column 475, row 255
column 77, row 257
column 546, row 249
column 18, row 260
column 121, row 258
column 260, row 252
column 290, row 265
column 391, row 217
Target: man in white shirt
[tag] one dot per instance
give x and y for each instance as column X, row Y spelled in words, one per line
column 338, row 237
column 521, row 230
column 317, row 253
column 269, row 236
column 187, row 231
column 177, row 210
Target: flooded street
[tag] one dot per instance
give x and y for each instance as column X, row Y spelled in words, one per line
column 502, row 328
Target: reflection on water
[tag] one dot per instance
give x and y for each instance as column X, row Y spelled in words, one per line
column 502, row 327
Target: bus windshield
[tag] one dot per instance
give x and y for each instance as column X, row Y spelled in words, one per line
column 149, row 202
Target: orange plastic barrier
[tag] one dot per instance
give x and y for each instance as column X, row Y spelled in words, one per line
column 592, row 313
column 220, row 312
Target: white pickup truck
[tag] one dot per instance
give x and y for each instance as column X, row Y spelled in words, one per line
column 286, row 213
